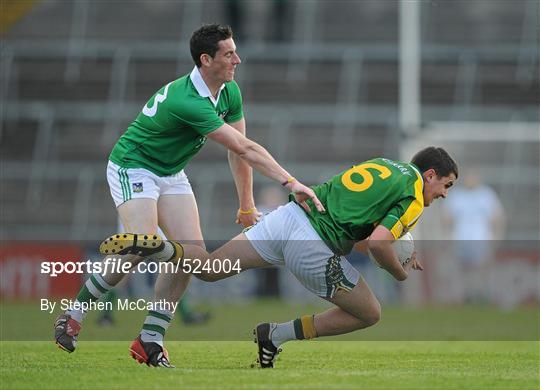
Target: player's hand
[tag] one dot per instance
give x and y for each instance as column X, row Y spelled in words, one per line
column 414, row 263
column 248, row 219
column 303, row 193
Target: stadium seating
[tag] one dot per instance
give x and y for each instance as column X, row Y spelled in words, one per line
column 73, row 88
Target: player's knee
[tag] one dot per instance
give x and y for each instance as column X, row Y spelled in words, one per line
column 372, row 315
column 369, row 315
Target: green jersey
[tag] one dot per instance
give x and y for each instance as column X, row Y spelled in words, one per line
column 173, row 125
column 378, row 191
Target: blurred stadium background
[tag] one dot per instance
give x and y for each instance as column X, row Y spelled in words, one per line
column 325, row 84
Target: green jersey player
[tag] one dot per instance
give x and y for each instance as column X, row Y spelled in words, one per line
column 371, row 204
column 150, row 189
column 379, row 191
column 175, row 122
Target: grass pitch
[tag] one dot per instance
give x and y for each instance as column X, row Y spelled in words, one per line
column 302, row 365
column 391, row 355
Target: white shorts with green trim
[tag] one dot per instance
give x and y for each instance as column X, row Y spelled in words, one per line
column 286, row 237
column 138, row 183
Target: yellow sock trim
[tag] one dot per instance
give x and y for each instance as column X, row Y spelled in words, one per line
column 308, row 327
column 178, row 252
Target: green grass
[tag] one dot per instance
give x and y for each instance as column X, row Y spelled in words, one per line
column 394, row 354
column 234, row 323
column 308, row 365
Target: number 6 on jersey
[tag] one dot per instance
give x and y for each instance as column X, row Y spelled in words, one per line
column 367, row 177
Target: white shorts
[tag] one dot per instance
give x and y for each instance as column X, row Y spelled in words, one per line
column 286, row 237
column 136, row 183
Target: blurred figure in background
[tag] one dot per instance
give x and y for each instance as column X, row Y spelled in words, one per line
column 476, row 218
column 276, row 13
column 235, row 15
column 280, row 25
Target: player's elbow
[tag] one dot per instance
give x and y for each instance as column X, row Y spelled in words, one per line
column 401, row 277
column 247, row 150
column 242, row 147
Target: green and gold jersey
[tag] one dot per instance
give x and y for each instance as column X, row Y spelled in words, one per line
column 173, row 125
column 378, row 191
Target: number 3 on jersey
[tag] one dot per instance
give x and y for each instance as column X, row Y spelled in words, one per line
column 159, row 98
column 367, row 176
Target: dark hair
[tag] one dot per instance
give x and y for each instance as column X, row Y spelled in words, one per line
column 436, row 158
column 206, row 39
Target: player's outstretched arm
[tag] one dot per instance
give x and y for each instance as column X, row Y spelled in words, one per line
column 247, row 214
column 380, row 245
column 259, row 158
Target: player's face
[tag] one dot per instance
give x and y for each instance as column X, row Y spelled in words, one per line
column 436, row 187
column 225, row 61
